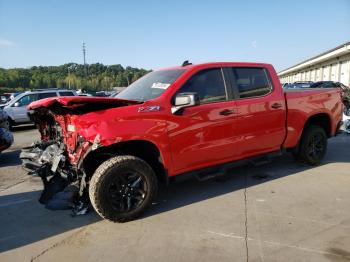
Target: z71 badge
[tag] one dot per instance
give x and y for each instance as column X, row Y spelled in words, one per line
column 148, row 109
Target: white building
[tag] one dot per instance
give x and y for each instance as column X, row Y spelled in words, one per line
column 333, row 65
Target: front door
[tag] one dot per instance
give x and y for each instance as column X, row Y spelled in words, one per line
column 19, row 108
column 202, row 135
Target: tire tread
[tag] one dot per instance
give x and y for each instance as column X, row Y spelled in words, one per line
column 97, row 181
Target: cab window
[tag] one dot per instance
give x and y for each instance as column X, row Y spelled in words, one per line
column 208, row 84
column 251, row 82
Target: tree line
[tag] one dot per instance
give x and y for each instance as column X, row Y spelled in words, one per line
column 92, row 77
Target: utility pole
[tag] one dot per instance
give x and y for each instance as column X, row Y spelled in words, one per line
column 84, row 52
column 84, row 56
column 68, row 77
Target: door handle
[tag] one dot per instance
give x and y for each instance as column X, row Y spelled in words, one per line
column 226, row 112
column 276, row 105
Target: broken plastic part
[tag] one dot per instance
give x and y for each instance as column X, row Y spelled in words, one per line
column 51, row 187
column 81, row 208
column 49, row 153
column 96, row 143
column 63, row 200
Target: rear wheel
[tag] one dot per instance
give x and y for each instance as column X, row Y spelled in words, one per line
column 122, row 188
column 313, row 145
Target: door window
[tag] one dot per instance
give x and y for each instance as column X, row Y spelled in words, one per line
column 208, row 84
column 26, row 100
column 66, row 93
column 46, row 95
column 251, row 82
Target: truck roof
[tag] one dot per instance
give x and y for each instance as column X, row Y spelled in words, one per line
column 217, row 64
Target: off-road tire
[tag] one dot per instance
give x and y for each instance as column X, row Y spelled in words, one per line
column 104, row 175
column 302, row 152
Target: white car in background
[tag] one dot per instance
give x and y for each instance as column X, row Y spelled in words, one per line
column 16, row 108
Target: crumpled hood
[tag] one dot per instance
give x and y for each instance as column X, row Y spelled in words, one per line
column 80, row 111
column 76, row 101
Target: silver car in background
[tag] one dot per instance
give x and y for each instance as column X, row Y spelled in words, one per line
column 16, row 108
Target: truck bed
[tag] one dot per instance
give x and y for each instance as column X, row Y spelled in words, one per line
column 303, row 102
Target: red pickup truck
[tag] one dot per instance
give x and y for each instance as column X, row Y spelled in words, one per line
column 191, row 119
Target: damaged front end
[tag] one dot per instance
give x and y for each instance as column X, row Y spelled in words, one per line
column 57, row 158
column 64, row 185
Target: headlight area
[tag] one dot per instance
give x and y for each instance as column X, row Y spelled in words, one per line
column 56, row 163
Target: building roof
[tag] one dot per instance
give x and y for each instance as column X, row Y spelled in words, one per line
column 334, row 52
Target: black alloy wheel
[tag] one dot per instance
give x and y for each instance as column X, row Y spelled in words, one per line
column 312, row 146
column 122, row 188
column 127, row 191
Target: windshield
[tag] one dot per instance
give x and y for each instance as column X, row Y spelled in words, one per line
column 151, row 85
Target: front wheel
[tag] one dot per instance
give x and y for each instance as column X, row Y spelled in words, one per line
column 122, row 188
column 313, row 145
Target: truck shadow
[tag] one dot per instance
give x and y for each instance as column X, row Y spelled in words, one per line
column 24, row 221
column 10, row 158
column 188, row 192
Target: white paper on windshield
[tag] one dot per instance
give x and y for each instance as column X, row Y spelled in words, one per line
column 160, row 85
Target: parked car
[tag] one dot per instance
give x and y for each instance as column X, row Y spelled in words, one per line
column 195, row 120
column 303, row 84
column 298, row 84
column 4, row 98
column 13, row 95
column 325, row 84
column 6, row 137
column 16, row 108
column 102, row 94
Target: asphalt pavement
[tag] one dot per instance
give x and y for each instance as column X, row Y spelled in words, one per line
column 282, row 211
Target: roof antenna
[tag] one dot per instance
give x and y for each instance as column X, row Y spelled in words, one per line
column 186, row 63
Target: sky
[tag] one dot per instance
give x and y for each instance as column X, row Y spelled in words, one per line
column 159, row 33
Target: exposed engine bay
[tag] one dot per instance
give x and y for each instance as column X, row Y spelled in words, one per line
column 62, row 183
column 56, row 158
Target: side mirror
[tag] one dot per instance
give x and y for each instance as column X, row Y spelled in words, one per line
column 16, row 104
column 183, row 100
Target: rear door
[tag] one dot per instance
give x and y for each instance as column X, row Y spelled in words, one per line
column 259, row 111
column 21, row 111
column 202, row 135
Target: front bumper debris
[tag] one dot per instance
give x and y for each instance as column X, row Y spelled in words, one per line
column 61, row 182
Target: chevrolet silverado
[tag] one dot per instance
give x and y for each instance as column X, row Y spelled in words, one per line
column 191, row 119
